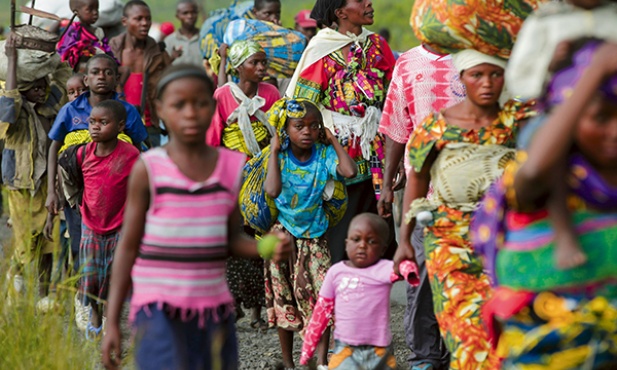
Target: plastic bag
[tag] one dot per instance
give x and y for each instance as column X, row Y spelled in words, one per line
column 489, row 26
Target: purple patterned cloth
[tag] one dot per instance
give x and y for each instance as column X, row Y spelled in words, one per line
column 563, row 82
column 78, row 42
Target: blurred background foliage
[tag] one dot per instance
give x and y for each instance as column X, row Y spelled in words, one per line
column 391, row 14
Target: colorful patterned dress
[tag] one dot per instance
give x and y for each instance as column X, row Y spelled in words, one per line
column 349, row 85
column 552, row 318
column 352, row 85
column 458, row 283
column 79, row 43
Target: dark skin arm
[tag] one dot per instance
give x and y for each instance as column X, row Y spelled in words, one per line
column 273, row 185
column 417, row 187
column 11, row 54
column 52, row 203
column 137, row 203
column 394, row 154
column 347, row 167
column 242, row 245
column 222, row 75
column 555, row 138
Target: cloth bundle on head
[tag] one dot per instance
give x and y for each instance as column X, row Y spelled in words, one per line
column 562, row 84
column 287, row 108
column 490, row 26
column 470, row 58
column 31, row 64
column 213, row 30
column 283, row 47
column 237, row 54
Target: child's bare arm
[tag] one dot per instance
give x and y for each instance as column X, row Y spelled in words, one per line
column 554, row 139
column 346, row 165
column 11, row 54
column 52, row 171
column 11, row 100
column 273, row 185
column 48, row 230
column 242, row 245
column 138, row 201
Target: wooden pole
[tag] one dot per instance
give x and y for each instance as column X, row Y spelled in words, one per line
column 30, row 20
column 12, row 15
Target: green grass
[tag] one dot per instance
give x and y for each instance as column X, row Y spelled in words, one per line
column 393, row 14
column 35, row 340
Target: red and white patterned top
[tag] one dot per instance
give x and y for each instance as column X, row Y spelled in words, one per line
column 423, row 82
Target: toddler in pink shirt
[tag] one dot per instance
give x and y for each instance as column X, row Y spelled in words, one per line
column 357, row 291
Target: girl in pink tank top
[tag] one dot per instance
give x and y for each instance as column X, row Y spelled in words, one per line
column 181, row 223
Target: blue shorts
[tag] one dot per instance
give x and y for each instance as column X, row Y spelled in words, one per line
column 169, row 343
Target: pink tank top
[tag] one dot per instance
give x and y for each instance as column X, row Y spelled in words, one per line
column 182, row 256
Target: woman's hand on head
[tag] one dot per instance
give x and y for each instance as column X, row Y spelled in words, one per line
column 9, row 46
column 223, row 51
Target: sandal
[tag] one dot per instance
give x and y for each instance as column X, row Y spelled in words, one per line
column 96, row 331
column 259, row 324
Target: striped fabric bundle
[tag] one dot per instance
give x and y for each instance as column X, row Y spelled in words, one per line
column 283, row 47
column 182, row 257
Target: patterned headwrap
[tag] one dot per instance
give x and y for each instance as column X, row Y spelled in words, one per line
column 241, row 50
column 563, row 82
column 284, row 109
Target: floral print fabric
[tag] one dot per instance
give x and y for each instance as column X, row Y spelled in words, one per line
column 489, row 26
column 292, row 287
column 459, row 285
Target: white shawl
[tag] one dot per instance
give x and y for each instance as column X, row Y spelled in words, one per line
column 325, row 42
column 242, row 115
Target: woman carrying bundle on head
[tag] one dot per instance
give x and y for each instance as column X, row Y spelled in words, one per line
column 460, row 151
column 239, row 123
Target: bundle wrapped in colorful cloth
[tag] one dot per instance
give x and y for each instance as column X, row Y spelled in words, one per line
column 283, row 47
column 213, row 29
column 489, row 26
